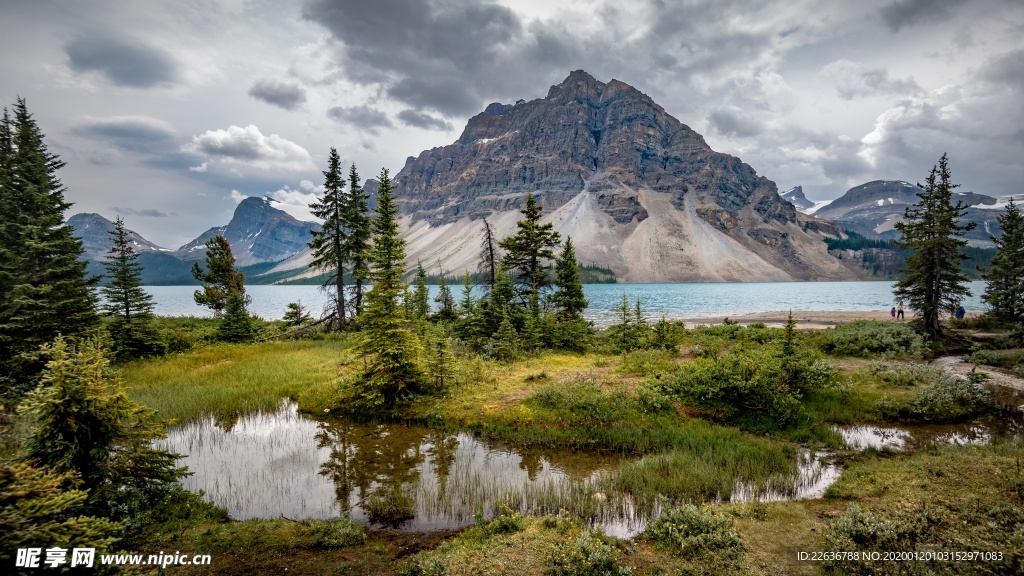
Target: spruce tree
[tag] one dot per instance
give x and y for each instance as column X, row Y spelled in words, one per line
column 220, row 279
column 445, row 301
column 932, row 280
column 528, row 251
column 420, row 297
column 295, row 315
column 126, row 302
column 235, row 324
column 86, row 424
column 391, row 349
column 329, row 243
column 490, row 259
column 1005, row 275
column 46, row 290
column 467, row 305
column 506, row 341
column 568, row 298
column 357, row 245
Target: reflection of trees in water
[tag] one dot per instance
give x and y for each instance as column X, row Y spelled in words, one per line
column 442, row 448
column 369, row 460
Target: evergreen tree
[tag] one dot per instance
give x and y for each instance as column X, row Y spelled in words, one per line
column 527, row 251
column 568, row 298
column 295, row 315
column 440, row 362
column 506, row 342
column 220, row 279
column 445, row 300
column 87, row 425
column 1005, row 276
column 420, row 296
column 126, row 302
column 45, row 289
column 391, row 372
column 467, row 306
column 489, row 257
column 235, row 324
column 329, row 243
column 501, row 304
column 932, row 279
column 357, row 245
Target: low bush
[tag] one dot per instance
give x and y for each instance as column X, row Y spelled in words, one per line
column 862, row 531
column 949, row 399
column 698, row 534
column 902, row 374
column 588, row 555
column 865, row 338
column 649, row 361
column 1001, row 358
column 506, row 521
column 335, row 534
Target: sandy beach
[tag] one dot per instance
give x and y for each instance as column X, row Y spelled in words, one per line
column 805, row 319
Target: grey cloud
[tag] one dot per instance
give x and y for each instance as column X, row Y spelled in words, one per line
column 904, row 13
column 730, row 123
column 124, row 61
column 1008, row 69
column 855, row 80
column 282, row 94
column 148, row 212
column 130, row 133
column 423, row 120
column 363, row 117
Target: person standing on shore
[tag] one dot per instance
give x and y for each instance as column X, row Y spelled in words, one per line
column 893, row 313
column 899, row 311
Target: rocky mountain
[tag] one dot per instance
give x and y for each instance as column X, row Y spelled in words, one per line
column 94, row 231
column 257, row 232
column 796, row 197
column 639, row 192
column 874, row 208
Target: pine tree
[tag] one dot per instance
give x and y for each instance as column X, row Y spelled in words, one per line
column 440, row 362
column 86, row 424
column 390, row 372
column 445, row 301
column 1005, row 276
column 932, row 280
column 420, row 296
column 357, row 245
column 568, row 298
column 329, row 243
column 467, row 306
column 295, row 314
column 126, row 302
column 220, row 279
column 235, row 324
column 506, row 342
column 489, row 257
column 46, row 290
column 528, row 250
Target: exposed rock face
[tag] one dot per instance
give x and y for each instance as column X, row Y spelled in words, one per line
column 639, row 192
column 94, row 230
column 874, row 208
column 796, row 197
column 257, row 232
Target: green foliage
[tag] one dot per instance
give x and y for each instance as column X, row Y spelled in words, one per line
column 506, row 521
column 220, row 279
column 588, row 555
column 932, row 281
column 902, row 374
column 506, row 342
column 439, row 360
column 356, row 249
column 631, row 332
column 235, row 324
column 420, row 306
column 568, row 298
column 86, row 424
column 858, row 530
column 855, row 241
column 528, row 251
column 949, row 399
column 699, row 534
column 328, row 243
column 1005, row 289
column 490, row 257
column 391, row 372
column 335, row 534
column 865, row 338
column 445, row 301
column 131, row 332
column 44, row 288
column 418, row 568
column 1001, row 358
column 38, row 510
column 295, row 315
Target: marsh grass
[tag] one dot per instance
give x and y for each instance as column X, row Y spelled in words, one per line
column 226, row 380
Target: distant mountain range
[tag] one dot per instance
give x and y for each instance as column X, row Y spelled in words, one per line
column 640, row 193
column 873, row 209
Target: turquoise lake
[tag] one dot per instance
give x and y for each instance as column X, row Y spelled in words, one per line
column 673, row 301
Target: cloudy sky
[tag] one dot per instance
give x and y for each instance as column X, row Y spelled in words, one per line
column 168, row 113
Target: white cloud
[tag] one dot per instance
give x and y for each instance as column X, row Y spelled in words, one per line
column 296, row 202
column 237, row 196
column 249, row 147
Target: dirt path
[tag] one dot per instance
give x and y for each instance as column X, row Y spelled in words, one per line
column 957, row 365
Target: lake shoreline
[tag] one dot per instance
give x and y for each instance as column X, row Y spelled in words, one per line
column 805, row 319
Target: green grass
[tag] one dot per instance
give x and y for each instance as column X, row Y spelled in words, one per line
column 226, row 380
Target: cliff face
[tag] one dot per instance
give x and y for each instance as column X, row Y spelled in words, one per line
column 639, row 192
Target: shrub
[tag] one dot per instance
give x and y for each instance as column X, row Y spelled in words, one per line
column 861, row 531
column 588, row 555
column 649, row 361
column 433, row 568
column 902, row 374
column 866, row 338
column 948, row 399
column 334, row 534
column 696, row 533
column 507, row 521
column 1004, row 359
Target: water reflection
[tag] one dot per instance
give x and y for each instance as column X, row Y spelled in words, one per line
column 266, row 465
column 909, row 438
